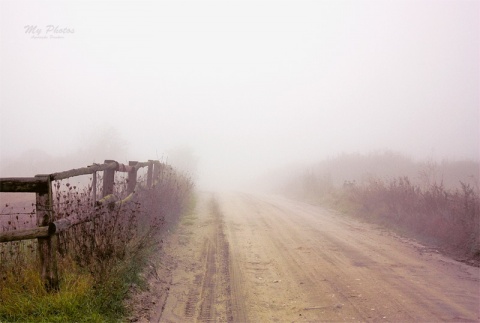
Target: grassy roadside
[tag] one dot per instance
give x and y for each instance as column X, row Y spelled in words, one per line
column 436, row 216
column 437, row 204
column 98, row 262
column 80, row 298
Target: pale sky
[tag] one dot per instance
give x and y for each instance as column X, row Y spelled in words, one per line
column 248, row 85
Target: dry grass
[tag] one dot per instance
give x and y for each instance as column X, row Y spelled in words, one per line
column 447, row 216
column 97, row 260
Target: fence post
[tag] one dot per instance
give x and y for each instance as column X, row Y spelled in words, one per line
column 149, row 174
column 47, row 246
column 94, row 188
column 156, row 170
column 132, row 177
column 108, row 179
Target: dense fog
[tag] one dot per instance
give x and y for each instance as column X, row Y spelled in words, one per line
column 232, row 90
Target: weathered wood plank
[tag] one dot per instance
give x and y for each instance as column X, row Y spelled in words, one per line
column 149, row 174
column 141, row 165
column 24, row 185
column 126, row 200
column 36, row 185
column 38, row 232
column 108, row 179
column 84, row 170
column 132, row 177
column 47, row 245
column 94, row 188
column 156, row 170
column 66, row 223
column 107, row 200
column 122, row 168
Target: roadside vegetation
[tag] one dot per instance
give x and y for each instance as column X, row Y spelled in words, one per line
column 437, row 203
column 98, row 261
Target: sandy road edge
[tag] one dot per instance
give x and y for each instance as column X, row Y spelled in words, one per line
column 147, row 304
column 202, row 250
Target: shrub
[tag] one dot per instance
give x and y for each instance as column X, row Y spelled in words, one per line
column 450, row 218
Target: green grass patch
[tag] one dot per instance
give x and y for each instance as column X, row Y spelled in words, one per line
column 189, row 217
column 81, row 298
column 24, row 298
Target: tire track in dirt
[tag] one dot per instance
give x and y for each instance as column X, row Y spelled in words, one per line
column 206, row 310
column 204, row 286
column 193, row 307
column 229, row 267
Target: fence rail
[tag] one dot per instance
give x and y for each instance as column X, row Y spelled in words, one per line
column 24, row 185
column 47, row 228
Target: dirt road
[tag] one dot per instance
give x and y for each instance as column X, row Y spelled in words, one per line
column 248, row 258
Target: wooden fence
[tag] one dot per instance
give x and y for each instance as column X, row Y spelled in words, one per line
column 47, row 228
